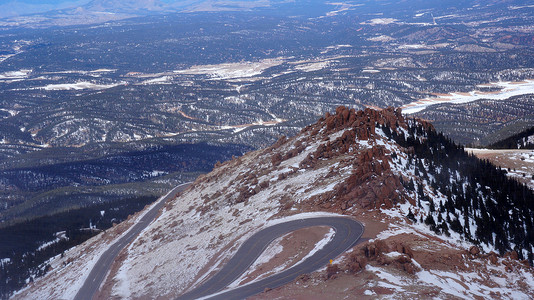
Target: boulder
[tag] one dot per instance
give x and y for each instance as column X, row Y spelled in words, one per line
column 409, row 268
column 493, row 258
column 474, row 250
column 512, row 255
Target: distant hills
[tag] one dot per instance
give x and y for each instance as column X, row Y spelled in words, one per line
column 116, row 9
column 15, row 8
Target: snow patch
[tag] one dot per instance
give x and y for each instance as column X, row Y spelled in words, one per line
column 233, row 70
column 82, row 85
column 15, row 74
column 379, row 21
column 508, row 89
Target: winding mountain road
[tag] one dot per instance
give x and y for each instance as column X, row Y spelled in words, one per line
column 102, row 266
column 347, row 233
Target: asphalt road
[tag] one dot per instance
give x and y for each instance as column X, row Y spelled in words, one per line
column 347, row 233
column 102, row 266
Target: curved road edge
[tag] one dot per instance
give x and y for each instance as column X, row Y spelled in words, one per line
column 101, row 268
column 347, row 233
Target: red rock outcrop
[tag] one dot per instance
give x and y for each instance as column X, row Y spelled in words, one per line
column 474, row 250
column 372, row 184
column 362, row 121
column 376, row 251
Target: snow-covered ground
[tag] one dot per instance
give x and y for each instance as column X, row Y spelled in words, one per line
column 313, row 66
column 192, row 235
column 379, row 21
column 238, row 128
column 275, row 248
column 15, row 74
column 233, row 70
column 508, row 89
column 82, row 85
column 340, row 7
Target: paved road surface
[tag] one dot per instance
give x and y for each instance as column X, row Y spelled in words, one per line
column 347, row 233
column 101, row 268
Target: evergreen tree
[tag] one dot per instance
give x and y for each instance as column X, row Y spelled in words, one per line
column 410, row 215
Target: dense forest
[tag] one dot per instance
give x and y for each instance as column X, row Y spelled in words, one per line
column 522, row 140
column 26, row 247
column 471, row 197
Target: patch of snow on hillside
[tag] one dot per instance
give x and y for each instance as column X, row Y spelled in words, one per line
column 313, row 66
column 341, row 7
column 21, row 74
column 123, row 288
column 370, row 71
column 275, row 248
column 159, row 80
column 336, row 47
column 467, row 285
column 233, row 70
column 103, row 71
column 321, row 244
column 10, row 111
column 379, row 21
column 381, row 38
column 508, row 89
column 59, row 237
column 82, row 85
column 460, row 284
column 323, row 190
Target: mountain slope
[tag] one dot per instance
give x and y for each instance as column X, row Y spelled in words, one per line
column 436, row 217
column 522, row 140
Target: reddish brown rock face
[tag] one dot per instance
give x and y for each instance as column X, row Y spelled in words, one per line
column 372, row 184
column 363, row 121
column 474, row 250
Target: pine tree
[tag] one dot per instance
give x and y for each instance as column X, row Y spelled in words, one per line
column 410, row 215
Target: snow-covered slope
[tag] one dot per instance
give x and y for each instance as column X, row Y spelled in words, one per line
column 393, row 175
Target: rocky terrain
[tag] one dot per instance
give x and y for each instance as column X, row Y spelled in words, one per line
column 421, row 238
column 97, row 98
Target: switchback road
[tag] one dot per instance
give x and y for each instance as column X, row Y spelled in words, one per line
column 102, row 266
column 347, row 233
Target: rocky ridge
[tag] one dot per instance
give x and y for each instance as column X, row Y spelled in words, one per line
column 372, row 183
column 348, row 163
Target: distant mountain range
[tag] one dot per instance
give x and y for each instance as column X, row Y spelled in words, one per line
column 16, row 8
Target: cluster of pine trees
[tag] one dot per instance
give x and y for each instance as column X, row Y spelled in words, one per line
column 21, row 242
column 478, row 194
column 516, row 141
